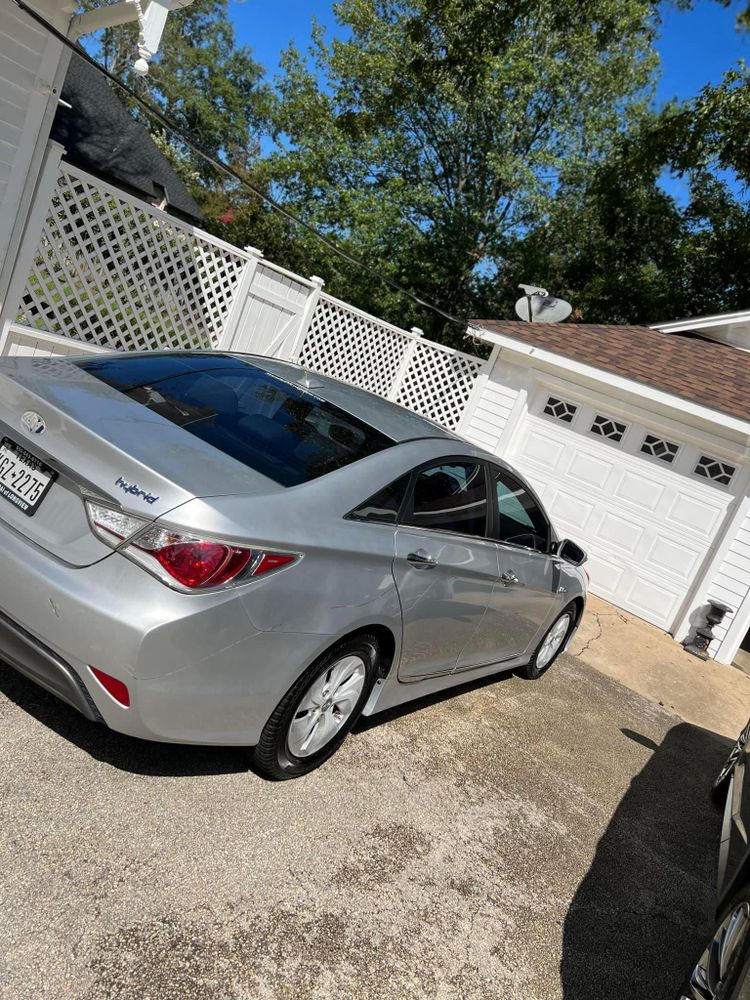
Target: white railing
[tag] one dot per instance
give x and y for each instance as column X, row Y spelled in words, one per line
column 109, row 271
column 23, row 342
column 424, row 376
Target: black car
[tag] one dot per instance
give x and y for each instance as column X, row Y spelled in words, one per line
column 723, row 970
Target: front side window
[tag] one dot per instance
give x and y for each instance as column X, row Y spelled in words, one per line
column 450, row 497
column 521, row 520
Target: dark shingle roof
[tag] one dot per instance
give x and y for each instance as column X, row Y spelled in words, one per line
column 714, row 375
column 100, row 136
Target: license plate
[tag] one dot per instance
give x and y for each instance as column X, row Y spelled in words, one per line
column 24, row 479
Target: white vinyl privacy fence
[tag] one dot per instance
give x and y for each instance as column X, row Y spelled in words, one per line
column 100, row 269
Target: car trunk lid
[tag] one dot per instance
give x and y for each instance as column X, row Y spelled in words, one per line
column 103, row 444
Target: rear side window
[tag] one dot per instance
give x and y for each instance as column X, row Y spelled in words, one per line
column 275, row 427
column 451, row 497
column 384, row 505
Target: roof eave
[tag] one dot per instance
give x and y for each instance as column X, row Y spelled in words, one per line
column 725, row 420
column 702, row 322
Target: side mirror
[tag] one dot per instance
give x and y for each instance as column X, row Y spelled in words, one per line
column 571, row 552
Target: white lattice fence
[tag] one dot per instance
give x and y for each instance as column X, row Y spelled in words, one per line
column 348, row 344
column 425, row 377
column 437, row 382
column 110, row 270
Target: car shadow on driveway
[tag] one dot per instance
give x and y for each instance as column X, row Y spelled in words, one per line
column 641, row 915
column 171, row 759
column 123, row 752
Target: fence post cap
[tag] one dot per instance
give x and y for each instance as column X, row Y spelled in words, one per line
column 317, row 281
column 417, row 331
column 254, row 251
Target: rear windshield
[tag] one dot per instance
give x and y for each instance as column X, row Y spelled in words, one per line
column 275, row 427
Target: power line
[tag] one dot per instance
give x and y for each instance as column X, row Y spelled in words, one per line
column 217, row 164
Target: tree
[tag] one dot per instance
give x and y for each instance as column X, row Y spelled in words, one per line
column 215, row 92
column 622, row 249
column 200, row 79
column 441, row 130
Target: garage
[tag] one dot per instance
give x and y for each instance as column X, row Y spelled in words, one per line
column 644, row 516
column 637, row 440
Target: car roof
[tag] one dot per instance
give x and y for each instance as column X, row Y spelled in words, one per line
column 396, row 422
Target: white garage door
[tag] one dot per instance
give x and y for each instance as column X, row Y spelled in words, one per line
column 644, row 505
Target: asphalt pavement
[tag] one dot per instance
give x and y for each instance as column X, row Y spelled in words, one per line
column 519, row 840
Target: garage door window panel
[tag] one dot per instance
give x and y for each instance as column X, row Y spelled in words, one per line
column 560, row 409
column 450, row 497
column 656, row 447
column 714, row 470
column 606, row 427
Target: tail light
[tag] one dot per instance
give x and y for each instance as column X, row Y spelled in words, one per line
column 180, row 559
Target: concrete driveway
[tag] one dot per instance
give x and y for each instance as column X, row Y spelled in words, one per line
column 516, row 840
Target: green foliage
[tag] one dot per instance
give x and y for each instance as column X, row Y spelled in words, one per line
column 437, row 132
column 461, row 146
column 623, row 250
column 200, row 78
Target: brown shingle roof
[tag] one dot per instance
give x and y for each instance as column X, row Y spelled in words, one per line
column 714, row 375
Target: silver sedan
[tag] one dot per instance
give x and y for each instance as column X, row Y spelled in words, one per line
column 211, row 548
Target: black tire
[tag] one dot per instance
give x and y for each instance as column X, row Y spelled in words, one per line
column 728, row 970
column 533, row 671
column 272, row 756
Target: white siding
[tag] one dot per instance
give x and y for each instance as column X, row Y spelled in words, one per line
column 731, row 582
column 490, row 414
column 30, row 61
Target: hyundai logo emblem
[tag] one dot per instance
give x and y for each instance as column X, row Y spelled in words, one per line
column 33, row 423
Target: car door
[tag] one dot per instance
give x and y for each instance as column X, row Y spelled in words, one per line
column 445, row 567
column 525, row 595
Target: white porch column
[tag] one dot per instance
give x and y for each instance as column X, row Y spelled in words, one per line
column 32, row 68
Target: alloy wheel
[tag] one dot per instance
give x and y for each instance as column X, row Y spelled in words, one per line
column 326, row 706
column 553, row 641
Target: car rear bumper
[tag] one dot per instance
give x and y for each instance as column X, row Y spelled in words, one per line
column 196, row 668
column 30, row 657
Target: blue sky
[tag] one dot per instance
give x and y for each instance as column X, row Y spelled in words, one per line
column 696, row 47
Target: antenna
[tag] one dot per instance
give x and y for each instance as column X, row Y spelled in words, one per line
column 538, row 306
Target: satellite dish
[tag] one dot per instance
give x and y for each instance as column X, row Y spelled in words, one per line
column 537, row 306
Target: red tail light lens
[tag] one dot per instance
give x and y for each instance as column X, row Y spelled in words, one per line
column 179, row 557
column 111, row 685
column 203, row 564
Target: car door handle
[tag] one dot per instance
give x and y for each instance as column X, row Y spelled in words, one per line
column 509, row 578
column 421, row 559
